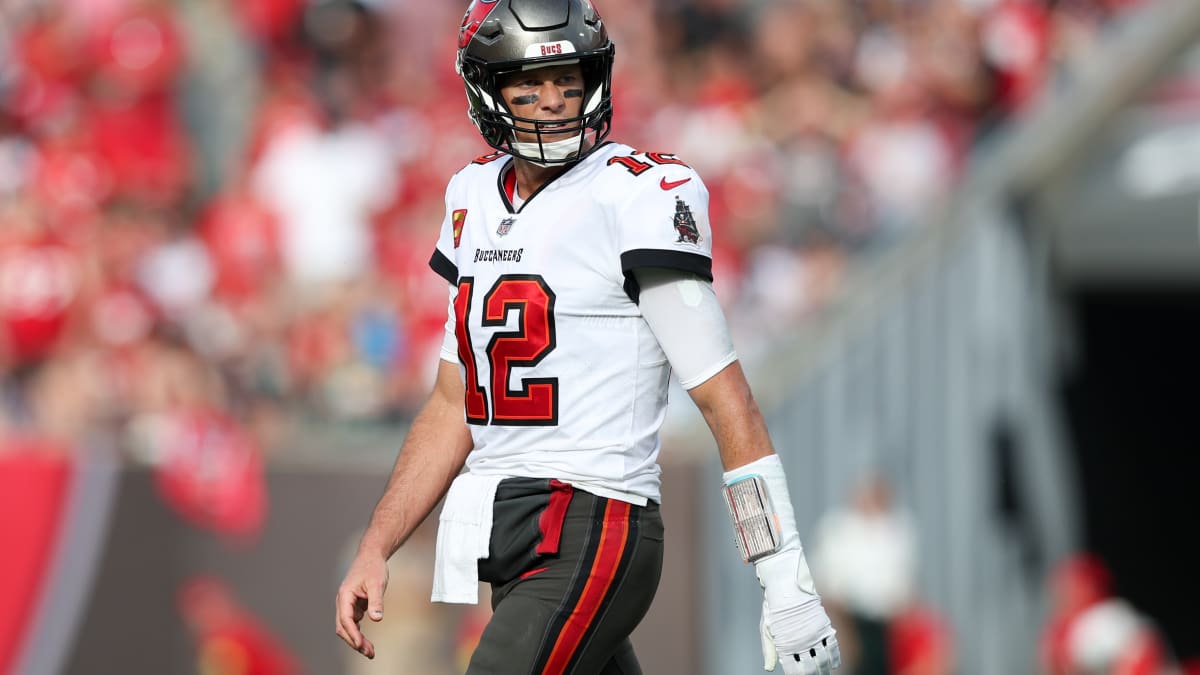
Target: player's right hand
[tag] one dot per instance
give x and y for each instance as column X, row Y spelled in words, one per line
column 361, row 593
column 821, row 658
column 796, row 631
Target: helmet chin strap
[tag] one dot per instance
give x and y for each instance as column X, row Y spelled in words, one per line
column 553, row 150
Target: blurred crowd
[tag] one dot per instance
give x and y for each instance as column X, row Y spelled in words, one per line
column 215, row 215
column 866, row 555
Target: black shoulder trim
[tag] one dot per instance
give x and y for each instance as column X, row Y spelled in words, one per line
column 442, row 265
column 695, row 263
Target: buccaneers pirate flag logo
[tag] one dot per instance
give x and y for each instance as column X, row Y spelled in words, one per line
column 685, row 223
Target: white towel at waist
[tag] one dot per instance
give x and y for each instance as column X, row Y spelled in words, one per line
column 464, row 532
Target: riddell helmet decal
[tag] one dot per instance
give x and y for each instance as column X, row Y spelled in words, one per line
column 685, row 223
column 459, row 218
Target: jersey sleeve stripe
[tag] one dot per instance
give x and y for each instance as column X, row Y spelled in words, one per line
column 442, row 265
column 695, row 263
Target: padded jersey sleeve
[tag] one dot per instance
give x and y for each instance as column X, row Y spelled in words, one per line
column 664, row 224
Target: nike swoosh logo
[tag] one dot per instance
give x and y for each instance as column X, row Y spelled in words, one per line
column 671, row 185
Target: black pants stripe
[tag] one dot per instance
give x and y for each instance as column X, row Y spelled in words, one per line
column 571, row 611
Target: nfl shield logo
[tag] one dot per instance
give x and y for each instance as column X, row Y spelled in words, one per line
column 505, row 226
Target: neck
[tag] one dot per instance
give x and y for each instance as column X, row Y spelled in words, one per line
column 531, row 177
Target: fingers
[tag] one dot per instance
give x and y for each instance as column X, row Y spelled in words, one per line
column 792, row 665
column 769, row 656
column 375, row 601
column 350, row 607
column 828, row 655
column 801, row 664
column 367, row 649
column 361, row 594
column 347, row 623
column 768, row 641
column 822, row 659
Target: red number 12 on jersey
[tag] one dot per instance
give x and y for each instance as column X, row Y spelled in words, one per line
column 536, row 402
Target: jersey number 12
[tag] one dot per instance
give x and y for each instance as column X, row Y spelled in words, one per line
column 535, row 403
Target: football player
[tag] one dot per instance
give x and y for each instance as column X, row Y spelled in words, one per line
column 580, row 275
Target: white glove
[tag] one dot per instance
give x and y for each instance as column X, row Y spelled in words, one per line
column 795, row 629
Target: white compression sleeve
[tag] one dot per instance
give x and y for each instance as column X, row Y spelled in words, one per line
column 687, row 321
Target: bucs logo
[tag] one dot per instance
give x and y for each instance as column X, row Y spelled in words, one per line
column 685, row 223
column 459, row 218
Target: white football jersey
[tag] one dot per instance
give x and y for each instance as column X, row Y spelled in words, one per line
column 563, row 377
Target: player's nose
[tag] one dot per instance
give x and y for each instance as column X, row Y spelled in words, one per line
column 551, row 98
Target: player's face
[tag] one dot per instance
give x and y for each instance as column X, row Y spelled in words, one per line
column 544, row 94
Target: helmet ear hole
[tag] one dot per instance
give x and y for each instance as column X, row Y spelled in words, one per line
column 475, row 74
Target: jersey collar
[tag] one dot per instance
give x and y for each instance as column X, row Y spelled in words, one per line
column 506, row 181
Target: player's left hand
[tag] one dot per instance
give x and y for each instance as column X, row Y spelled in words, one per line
column 795, row 629
column 361, row 594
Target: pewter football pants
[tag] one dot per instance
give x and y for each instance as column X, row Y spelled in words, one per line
column 572, row 575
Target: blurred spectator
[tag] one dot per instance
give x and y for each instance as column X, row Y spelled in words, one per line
column 1015, row 38
column 243, row 241
column 136, row 56
column 901, row 154
column 208, row 468
column 229, row 639
column 211, row 472
column 1090, row 631
column 176, row 274
column 324, row 183
column 218, row 88
column 864, row 557
column 40, row 283
column 696, row 26
column 920, row 643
